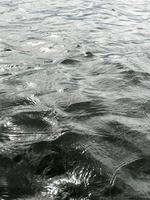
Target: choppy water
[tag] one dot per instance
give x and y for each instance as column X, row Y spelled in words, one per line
column 74, row 99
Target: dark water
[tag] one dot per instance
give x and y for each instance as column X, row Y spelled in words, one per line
column 74, row 99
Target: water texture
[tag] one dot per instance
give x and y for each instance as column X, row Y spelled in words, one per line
column 74, row 100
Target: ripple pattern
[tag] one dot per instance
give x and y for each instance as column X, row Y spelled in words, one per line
column 74, row 100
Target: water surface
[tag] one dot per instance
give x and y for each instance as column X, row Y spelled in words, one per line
column 74, row 99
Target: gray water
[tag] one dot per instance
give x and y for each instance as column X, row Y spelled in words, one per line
column 74, row 99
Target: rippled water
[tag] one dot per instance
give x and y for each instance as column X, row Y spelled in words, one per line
column 74, row 99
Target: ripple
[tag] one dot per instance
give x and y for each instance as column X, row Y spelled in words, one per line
column 69, row 61
column 32, row 119
column 146, row 109
column 11, row 102
column 87, row 109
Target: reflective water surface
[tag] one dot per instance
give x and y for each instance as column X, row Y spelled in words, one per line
column 74, row 99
